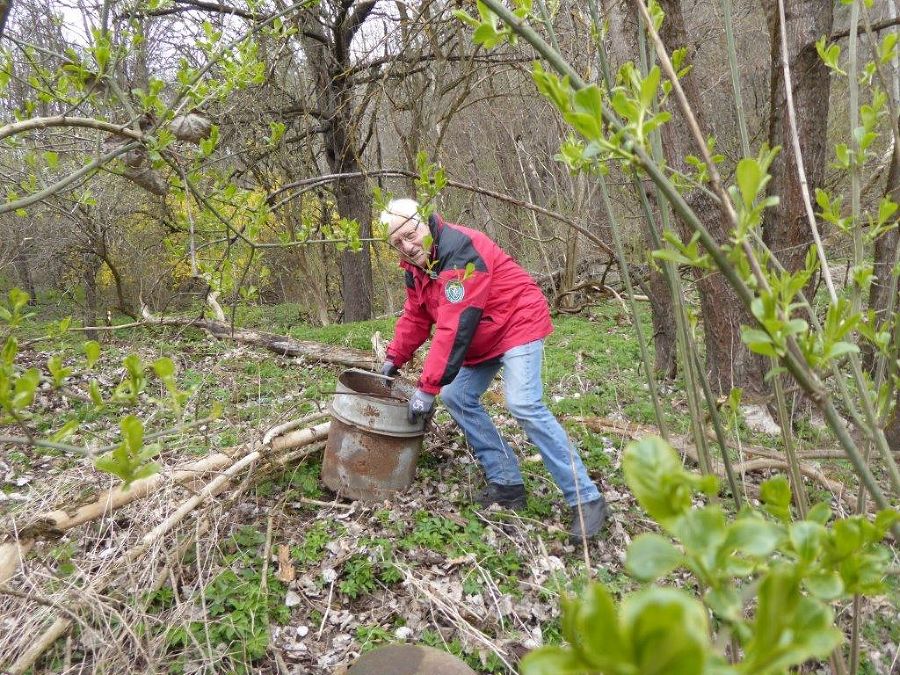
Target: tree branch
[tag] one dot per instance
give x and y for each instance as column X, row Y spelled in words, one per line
column 68, row 180
column 5, row 11
column 876, row 27
column 63, row 121
column 355, row 20
column 328, row 178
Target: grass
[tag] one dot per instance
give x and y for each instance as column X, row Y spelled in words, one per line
column 590, row 370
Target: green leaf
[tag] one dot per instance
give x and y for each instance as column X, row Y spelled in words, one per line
column 91, row 350
column 840, row 348
column 657, row 15
column 886, row 209
column 649, row 85
column 758, row 341
column 132, row 432
column 884, row 520
column 806, row 538
column 624, row 106
column 487, row 36
column 725, row 602
column 17, row 299
column 775, row 494
column 656, row 477
column 651, row 556
column 589, row 100
column 668, row 630
column 10, row 349
column 26, row 386
column 94, row 391
column 887, row 49
column 749, row 178
column 820, row 513
column 753, row 537
column 465, row 18
column 551, row 660
column 824, row 585
column 65, row 431
column 592, row 627
column 842, row 153
column 164, row 367
column 702, row 533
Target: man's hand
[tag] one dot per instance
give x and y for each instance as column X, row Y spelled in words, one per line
column 388, row 369
column 420, row 405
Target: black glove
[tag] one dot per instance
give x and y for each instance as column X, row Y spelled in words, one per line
column 420, row 405
column 388, row 369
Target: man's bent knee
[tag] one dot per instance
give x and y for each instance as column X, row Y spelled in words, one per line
column 455, row 398
column 527, row 410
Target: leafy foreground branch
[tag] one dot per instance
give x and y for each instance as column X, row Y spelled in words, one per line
column 623, row 134
column 766, row 582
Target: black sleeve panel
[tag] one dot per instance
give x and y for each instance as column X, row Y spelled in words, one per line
column 410, row 281
column 456, row 250
column 465, row 331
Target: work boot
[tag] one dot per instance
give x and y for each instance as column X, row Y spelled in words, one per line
column 507, row 496
column 589, row 522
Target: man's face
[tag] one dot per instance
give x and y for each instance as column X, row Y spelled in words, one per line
column 408, row 238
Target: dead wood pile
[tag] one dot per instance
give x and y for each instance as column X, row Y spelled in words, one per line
column 161, row 496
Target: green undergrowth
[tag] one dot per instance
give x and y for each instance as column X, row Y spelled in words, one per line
column 591, row 368
column 238, row 609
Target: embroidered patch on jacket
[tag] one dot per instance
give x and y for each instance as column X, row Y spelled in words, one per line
column 454, row 291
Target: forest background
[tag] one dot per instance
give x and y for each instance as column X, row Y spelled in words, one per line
column 176, row 164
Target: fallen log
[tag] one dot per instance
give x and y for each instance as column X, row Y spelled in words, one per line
column 280, row 344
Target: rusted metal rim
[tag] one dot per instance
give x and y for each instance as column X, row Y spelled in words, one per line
column 360, row 401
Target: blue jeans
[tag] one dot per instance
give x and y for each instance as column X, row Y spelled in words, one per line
column 524, row 398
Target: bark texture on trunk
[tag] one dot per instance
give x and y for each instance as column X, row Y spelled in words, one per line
column 786, row 231
column 729, row 363
column 329, row 55
column 23, row 270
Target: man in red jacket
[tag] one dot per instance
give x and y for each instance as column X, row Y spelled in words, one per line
column 487, row 314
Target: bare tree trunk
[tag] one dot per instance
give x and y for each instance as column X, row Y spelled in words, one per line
column 729, row 362
column 623, row 47
column 23, row 269
column 329, row 55
column 123, row 306
column 885, row 254
column 91, row 267
column 785, row 230
column 353, row 202
column 5, row 9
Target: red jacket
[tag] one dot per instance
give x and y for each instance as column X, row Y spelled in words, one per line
column 477, row 317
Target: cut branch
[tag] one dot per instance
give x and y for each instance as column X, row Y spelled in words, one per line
column 53, row 524
column 61, row 625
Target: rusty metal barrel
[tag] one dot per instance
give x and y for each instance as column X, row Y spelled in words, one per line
column 372, row 448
